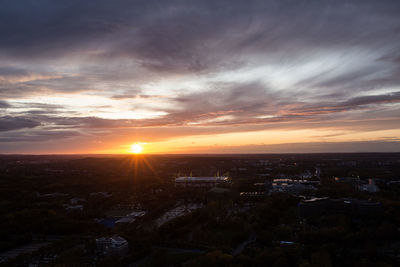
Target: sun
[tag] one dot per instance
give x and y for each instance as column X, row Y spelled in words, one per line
column 136, row 149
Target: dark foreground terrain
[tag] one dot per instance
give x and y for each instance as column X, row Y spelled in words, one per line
column 274, row 210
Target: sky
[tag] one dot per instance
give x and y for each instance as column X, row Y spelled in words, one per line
column 199, row 76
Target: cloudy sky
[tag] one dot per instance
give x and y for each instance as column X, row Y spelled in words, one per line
column 199, row 76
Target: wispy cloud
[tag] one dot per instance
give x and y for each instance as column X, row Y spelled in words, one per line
column 168, row 69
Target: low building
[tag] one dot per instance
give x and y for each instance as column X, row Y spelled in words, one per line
column 131, row 217
column 371, row 187
column 294, row 187
column 326, row 206
column 114, row 245
column 207, row 182
column 178, row 211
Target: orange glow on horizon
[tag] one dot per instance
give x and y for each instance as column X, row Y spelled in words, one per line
column 237, row 142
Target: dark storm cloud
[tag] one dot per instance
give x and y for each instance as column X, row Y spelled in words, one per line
column 65, row 84
column 4, row 104
column 350, row 104
column 191, row 35
column 373, row 99
column 36, row 110
column 8, row 123
column 35, row 28
column 37, row 136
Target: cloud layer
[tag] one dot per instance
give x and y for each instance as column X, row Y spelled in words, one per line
column 159, row 71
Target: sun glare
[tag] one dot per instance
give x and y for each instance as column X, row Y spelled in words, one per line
column 136, row 149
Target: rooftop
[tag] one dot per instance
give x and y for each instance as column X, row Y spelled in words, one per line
column 206, row 179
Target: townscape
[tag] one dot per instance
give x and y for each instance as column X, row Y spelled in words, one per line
column 204, row 133
column 200, row 210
